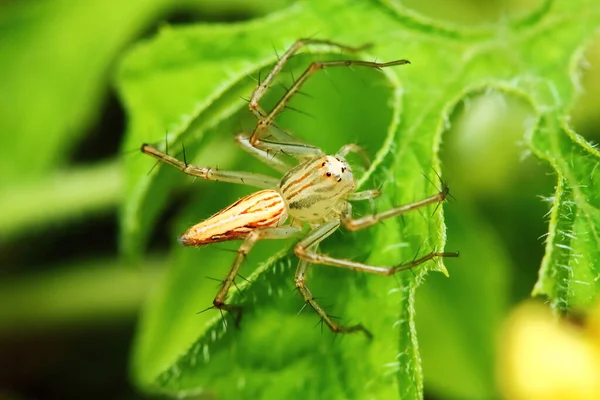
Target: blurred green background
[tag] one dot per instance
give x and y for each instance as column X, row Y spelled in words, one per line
column 68, row 300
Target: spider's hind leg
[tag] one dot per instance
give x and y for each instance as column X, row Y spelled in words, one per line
column 300, row 282
column 305, row 251
column 263, row 86
column 283, row 232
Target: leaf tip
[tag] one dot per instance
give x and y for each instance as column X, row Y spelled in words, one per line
column 442, row 268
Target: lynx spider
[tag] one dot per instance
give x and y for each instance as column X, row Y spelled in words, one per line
column 316, row 192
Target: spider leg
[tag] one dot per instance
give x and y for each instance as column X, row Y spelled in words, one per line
column 297, row 150
column 300, row 281
column 369, row 195
column 246, row 178
column 263, row 86
column 266, row 120
column 363, row 195
column 304, row 251
column 354, row 224
column 284, row 232
column 270, row 158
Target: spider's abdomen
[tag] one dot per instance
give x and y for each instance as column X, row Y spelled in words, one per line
column 262, row 209
column 312, row 189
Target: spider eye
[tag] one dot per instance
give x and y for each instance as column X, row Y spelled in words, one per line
column 328, row 174
column 343, row 169
column 324, row 162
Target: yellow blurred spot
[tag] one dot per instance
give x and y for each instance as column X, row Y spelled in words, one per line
column 543, row 358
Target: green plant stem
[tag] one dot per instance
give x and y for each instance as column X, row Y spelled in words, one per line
column 84, row 293
column 63, row 196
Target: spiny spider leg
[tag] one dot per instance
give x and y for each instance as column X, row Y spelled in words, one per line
column 265, row 121
column 300, row 151
column 283, row 232
column 268, row 157
column 241, row 177
column 263, row 86
column 354, row 224
column 270, row 149
column 304, row 252
column 300, row 281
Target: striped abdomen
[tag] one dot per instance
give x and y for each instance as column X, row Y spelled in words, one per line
column 312, row 189
column 258, row 210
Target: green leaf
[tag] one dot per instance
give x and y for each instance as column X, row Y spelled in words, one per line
column 186, row 81
column 571, row 265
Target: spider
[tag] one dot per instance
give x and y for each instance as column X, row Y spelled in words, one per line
column 315, row 192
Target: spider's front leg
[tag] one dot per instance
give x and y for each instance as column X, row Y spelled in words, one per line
column 266, row 120
column 263, row 86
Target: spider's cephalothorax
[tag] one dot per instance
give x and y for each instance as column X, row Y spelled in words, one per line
column 316, row 192
column 314, row 188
